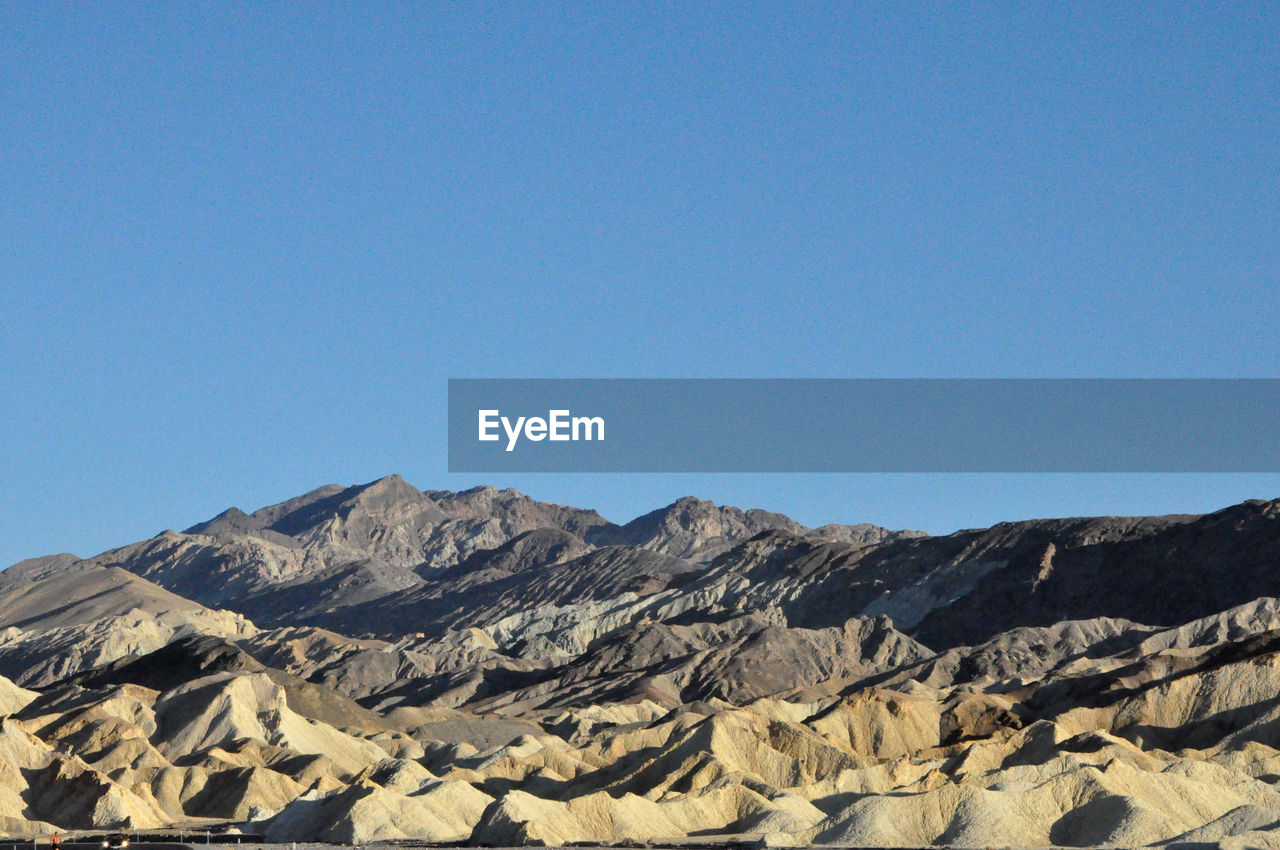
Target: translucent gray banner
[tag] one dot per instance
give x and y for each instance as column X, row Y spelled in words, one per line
column 864, row 425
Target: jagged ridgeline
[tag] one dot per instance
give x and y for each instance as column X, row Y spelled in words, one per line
column 377, row 662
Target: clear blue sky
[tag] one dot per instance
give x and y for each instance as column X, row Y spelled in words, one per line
column 242, row 247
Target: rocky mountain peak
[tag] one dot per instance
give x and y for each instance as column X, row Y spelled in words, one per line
column 231, row 521
column 697, row 529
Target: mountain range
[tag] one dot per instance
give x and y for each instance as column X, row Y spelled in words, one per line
column 378, row 662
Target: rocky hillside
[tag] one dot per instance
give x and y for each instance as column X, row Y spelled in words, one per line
column 378, row 662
